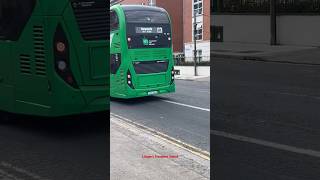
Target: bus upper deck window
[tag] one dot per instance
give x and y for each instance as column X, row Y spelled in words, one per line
column 14, row 15
column 146, row 16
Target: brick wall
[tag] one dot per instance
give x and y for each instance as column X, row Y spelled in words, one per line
column 206, row 20
column 187, row 21
column 174, row 8
column 187, row 18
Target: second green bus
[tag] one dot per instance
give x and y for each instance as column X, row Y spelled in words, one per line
column 141, row 62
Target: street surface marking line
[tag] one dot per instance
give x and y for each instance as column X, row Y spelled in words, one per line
column 269, row 144
column 194, row 150
column 186, row 105
column 18, row 170
column 297, row 95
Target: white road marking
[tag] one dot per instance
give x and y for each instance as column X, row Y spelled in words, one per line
column 294, row 94
column 186, row 105
column 269, row 144
column 17, row 171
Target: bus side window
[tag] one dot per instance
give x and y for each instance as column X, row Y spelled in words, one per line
column 114, row 21
column 14, row 15
column 115, row 62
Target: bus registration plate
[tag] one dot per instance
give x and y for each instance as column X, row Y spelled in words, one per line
column 152, row 92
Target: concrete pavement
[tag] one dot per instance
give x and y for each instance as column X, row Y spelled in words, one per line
column 265, row 52
column 187, row 72
column 138, row 154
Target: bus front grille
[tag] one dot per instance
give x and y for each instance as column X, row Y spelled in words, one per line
column 92, row 18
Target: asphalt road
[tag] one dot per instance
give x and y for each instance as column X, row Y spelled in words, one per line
column 265, row 121
column 184, row 115
column 40, row 148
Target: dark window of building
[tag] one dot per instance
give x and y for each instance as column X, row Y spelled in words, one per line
column 241, row 6
column 14, row 15
column 197, row 7
column 198, row 32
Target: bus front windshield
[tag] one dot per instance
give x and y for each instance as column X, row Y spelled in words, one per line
column 148, row 29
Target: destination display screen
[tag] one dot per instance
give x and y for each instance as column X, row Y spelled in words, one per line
column 149, row 30
column 139, row 36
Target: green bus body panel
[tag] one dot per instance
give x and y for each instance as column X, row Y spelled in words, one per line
column 144, row 83
column 52, row 7
column 6, row 77
column 28, row 86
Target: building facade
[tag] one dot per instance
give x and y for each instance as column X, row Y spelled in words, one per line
column 199, row 10
column 174, row 8
column 182, row 17
column 249, row 21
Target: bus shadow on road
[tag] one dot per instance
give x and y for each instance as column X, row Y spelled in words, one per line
column 59, row 127
column 138, row 101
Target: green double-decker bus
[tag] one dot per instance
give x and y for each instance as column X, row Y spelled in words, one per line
column 141, row 61
column 54, row 57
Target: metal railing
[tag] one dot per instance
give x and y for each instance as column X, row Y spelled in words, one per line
column 189, row 61
column 296, row 6
column 263, row 6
